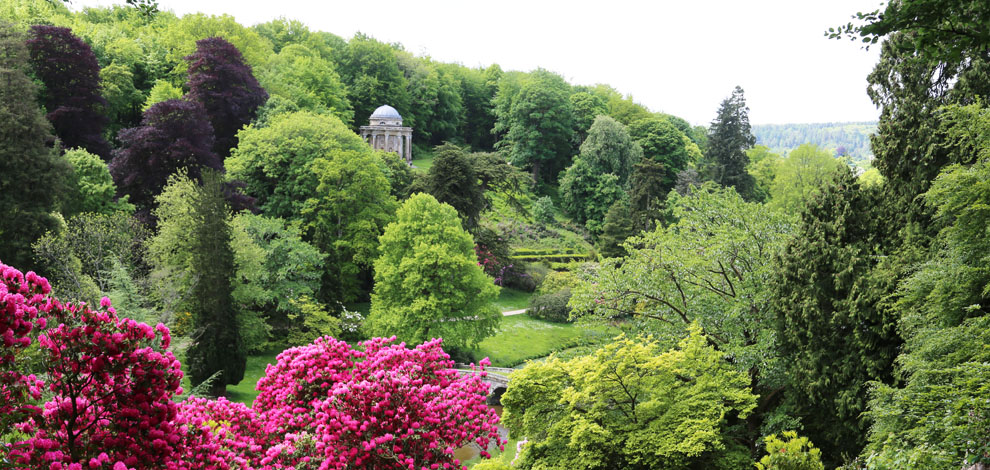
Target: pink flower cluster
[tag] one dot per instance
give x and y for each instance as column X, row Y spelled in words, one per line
column 110, row 383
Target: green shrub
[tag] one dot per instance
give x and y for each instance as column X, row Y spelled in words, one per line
column 797, row 453
column 551, row 307
column 543, row 210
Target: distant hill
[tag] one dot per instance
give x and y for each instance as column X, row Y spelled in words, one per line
column 854, row 137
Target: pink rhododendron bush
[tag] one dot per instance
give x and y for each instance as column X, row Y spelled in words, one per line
column 106, row 399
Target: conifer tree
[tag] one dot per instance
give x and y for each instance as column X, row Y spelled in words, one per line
column 217, row 344
column 71, row 76
column 31, row 175
column 728, row 138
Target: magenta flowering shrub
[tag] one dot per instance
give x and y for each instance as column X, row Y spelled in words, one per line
column 110, row 383
column 19, row 296
column 386, row 407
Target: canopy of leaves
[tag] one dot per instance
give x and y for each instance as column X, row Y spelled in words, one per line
column 427, row 280
column 540, row 126
column 174, row 135
column 308, row 80
column 630, row 405
column 800, row 176
column 275, row 162
column 71, row 95
column 221, row 81
column 373, row 77
column 588, row 194
column 452, row 180
column 91, row 187
column 609, row 148
column 711, row 267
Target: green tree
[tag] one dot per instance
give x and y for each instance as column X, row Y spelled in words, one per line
column 588, row 194
column 711, row 266
column 648, row 189
column 763, row 166
column 427, row 280
column 618, row 226
column 800, row 176
column 216, row 341
column 832, row 331
column 663, row 143
column 91, row 187
column 179, row 40
column 797, row 453
column 452, row 180
column 344, row 216
column 308, row 80
column 31, row 174
column 541, row 126
column 609, row 148
column 371, row 72
column 729, row 137
column 631, row 405
column 586, row 108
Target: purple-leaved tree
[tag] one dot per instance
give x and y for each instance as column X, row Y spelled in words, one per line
column 71, row 96
column 223, row 83
column 174, row 134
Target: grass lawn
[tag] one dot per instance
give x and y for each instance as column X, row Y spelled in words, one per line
column 512, row 299
column 424, row 162
column 521, row 338
column 244, row 392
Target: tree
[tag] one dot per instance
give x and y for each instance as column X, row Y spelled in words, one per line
column 648, row 189
column 609, row 149
column 124, row 100
column 371, row 72
column 629, row 405
column 91, row 186
column 587, row 107
column 588, row 194
column 800, row 176
column 617, row 227
column 309, row 81
column 662, row 143
column 452, row 180
column 344, row 217
column 946, row 30
column 174, row 135
column 217, row 345
column 71, row 77
column 710, row 267
column 31, row 175
column 274, row 161
column 833, row 332
column 229, row 93
column 427, row 280
column 728, row 138
column 540, row 126
column 763, row 165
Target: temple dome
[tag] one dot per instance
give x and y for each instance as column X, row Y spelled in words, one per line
column 385, row 112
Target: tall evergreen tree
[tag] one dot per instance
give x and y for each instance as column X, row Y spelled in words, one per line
column 174, row 135
column 452, row 180
column 833, row 334
column 728, row 138
column 71, row 76
column 223, row 83
column 30, row 174
column 217, row 345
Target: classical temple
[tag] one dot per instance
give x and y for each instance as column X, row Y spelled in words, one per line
column 385, row 132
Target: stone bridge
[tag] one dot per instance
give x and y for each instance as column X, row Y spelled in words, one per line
column 497, row 379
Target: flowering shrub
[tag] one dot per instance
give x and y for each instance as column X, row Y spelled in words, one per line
column 110, row 382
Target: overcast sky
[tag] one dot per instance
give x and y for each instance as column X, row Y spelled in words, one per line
column 680, row 57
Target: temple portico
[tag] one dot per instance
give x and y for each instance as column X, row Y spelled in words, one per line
column 385, row 132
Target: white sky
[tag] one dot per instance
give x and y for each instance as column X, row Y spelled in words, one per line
column 680, row 57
